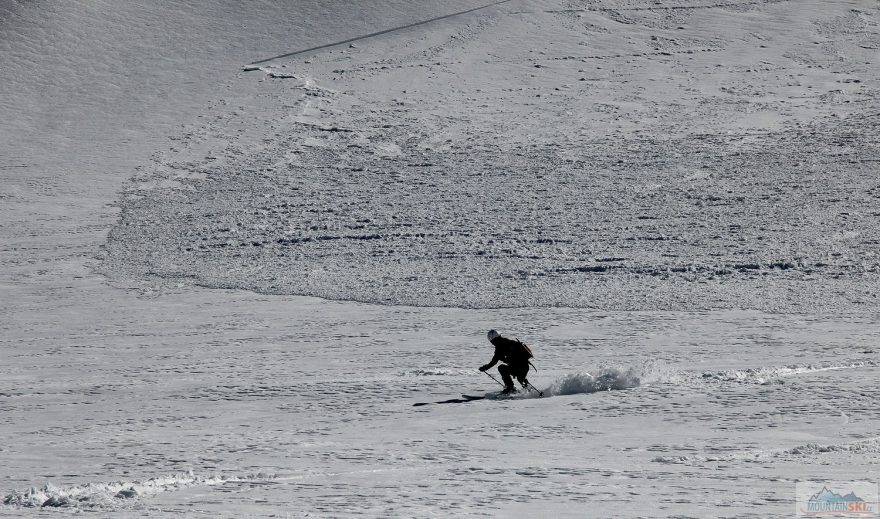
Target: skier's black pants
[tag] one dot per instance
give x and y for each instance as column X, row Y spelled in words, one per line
column 517, row 370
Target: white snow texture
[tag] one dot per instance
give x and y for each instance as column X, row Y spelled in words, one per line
column 240, row 240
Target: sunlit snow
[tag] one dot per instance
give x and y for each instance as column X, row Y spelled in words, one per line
column 249, row 254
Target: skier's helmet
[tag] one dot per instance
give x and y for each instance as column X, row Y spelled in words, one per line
column 493, row 335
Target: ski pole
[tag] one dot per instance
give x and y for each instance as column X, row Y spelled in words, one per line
column 530, row 386
column 495, row 379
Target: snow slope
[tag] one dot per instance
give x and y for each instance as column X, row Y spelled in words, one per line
column 641, row 159
column 317, row 396
column 684, row 157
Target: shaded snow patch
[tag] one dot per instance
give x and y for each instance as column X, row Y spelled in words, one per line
column 867, row 446
column 772, row 374
column 746, row 457
column 103, row 495
column 871, row 445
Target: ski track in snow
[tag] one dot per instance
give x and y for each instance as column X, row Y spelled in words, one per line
column 528, row 162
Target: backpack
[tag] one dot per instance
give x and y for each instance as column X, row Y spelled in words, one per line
column 525, row 351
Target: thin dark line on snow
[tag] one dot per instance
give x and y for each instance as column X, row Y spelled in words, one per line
column 379, row 33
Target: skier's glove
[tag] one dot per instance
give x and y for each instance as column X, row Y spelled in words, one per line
column 484, row 368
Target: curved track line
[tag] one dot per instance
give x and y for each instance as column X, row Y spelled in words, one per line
column 379, row 33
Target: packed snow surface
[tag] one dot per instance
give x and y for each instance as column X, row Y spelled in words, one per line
column 297, row 405
column 579, row 155
column 674, row 203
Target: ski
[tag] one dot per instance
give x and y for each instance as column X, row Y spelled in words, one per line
column 498, row 395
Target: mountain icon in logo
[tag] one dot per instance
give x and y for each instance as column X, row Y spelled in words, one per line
column 827, row 496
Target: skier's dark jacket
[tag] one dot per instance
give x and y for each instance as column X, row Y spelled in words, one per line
column 511, row 353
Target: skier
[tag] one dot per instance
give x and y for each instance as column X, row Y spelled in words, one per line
column 514, row 356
